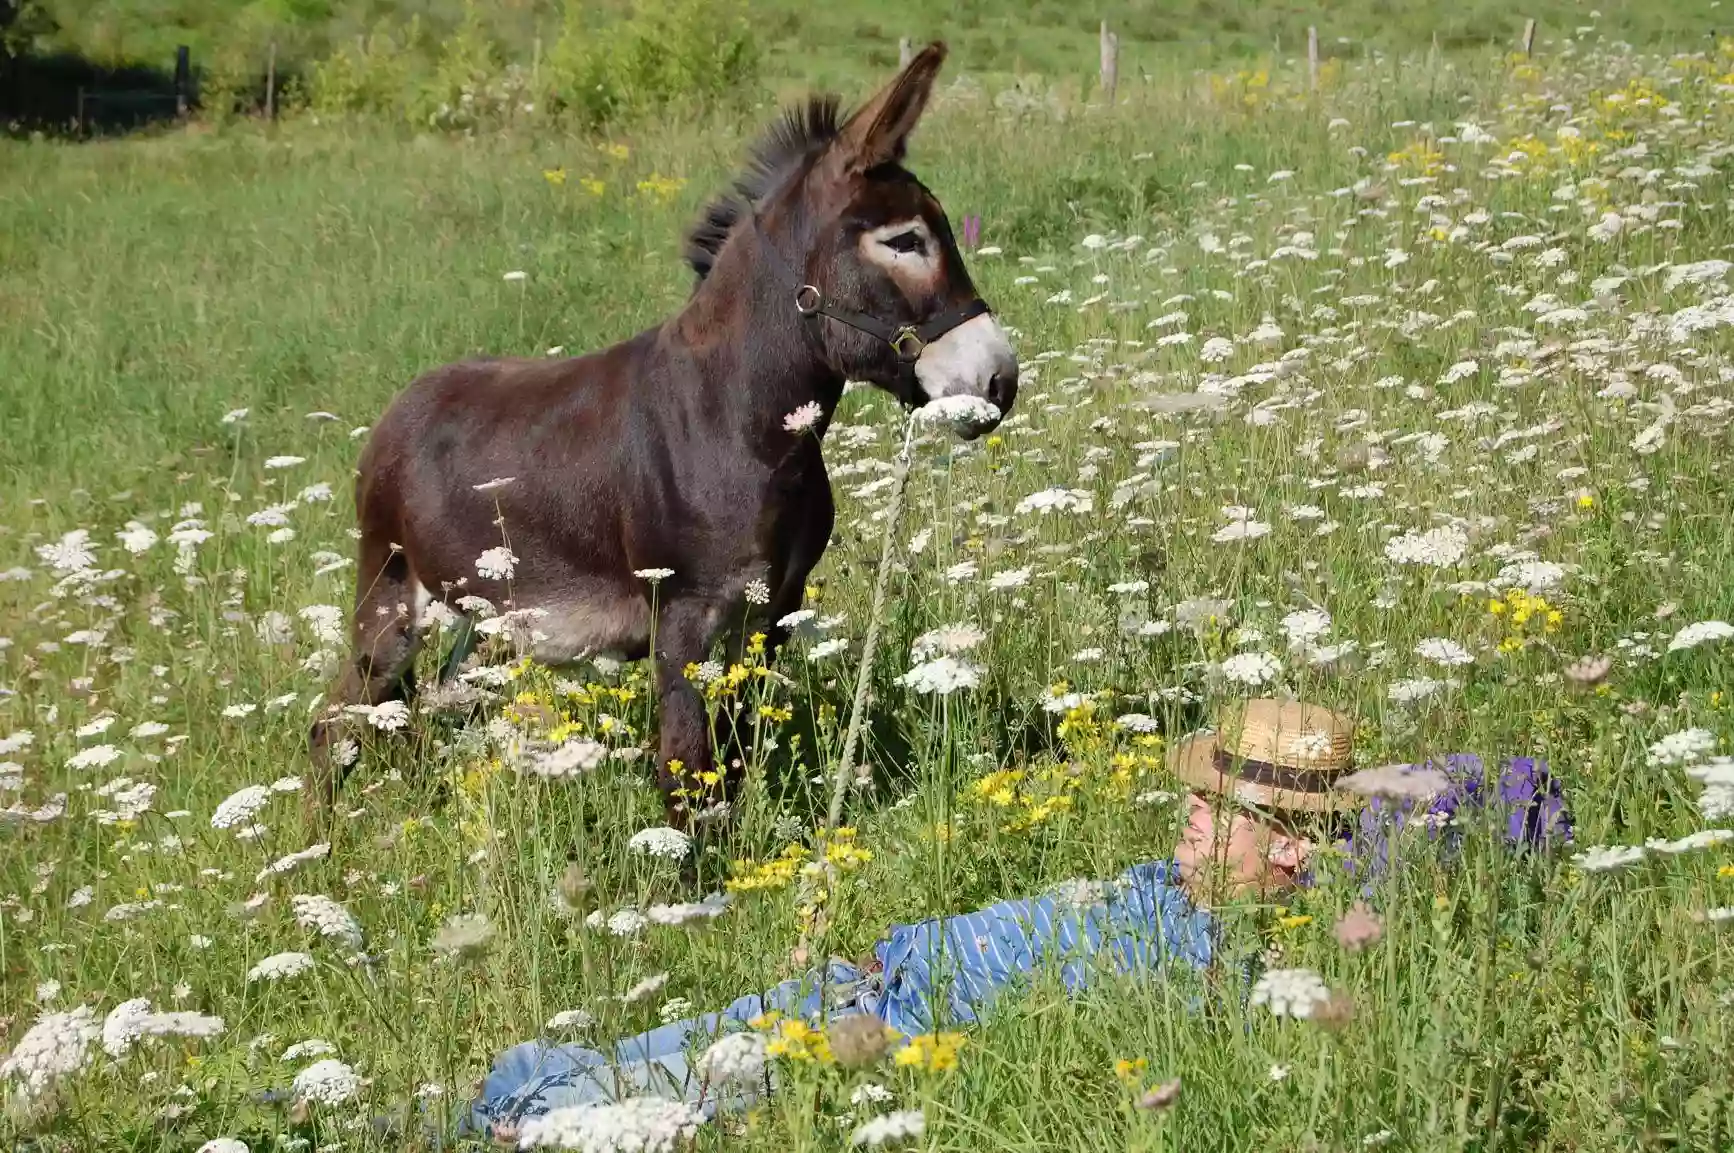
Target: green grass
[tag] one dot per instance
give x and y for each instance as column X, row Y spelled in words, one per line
column 849, row 43
column 153, row 285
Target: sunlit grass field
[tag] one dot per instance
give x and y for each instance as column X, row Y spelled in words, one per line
column 1271, row 340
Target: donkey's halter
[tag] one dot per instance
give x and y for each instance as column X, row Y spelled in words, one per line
column 907, row 341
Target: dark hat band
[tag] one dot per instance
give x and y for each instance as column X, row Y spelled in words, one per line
column 1274, row 775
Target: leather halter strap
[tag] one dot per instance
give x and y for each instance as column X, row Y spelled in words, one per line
column 907, row 341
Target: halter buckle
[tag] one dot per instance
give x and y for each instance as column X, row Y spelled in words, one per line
column 808, row 300
column 906, row 342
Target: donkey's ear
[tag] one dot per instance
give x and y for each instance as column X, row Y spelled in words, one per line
column 877, row 133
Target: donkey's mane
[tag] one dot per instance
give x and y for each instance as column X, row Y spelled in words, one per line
column 800, row 132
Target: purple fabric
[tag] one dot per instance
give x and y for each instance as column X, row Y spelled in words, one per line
column 1525, row 800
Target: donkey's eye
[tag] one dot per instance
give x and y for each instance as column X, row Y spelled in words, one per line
column 910, row 241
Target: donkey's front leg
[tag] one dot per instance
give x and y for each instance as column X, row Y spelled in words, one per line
column 687, row 767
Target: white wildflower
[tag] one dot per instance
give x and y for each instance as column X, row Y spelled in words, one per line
column 1686, row 747
column 56, row 1046
column 635, row 1125
column 280, row 966
column 1443, row 651
column 240, row 807
column 293, row 860
column 1691, row 842
column 1603, row 858
column 804, row 418
column 94, row 757
column 660, row 841
column 1437, row 548
column 648, row 987
column 1251, row 669
column 497, row 564
column 326, row 1082
column 327, row 917
column 1056, row 500
column 1702, row 632
column 571, row 758
column 738, row 1058
column 941, row 676
column 1305, row 626
column 1291, row 992
column 887, row 1128
column 570, row 1019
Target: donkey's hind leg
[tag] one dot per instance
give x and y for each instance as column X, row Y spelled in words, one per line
column 381, row 668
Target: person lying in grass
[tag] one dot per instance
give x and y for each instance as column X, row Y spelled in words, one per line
column 1273, row 793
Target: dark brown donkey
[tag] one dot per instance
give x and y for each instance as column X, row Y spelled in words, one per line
column 829, row 262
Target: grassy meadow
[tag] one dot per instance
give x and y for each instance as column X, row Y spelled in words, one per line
column 1410, row 396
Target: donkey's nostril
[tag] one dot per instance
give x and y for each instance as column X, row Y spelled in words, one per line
column 1002, row 389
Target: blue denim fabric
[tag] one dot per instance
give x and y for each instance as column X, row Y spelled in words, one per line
column 537, row 1076
column 935, row 973
column 947, row 971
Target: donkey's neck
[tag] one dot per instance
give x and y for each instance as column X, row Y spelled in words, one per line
column 747, row 340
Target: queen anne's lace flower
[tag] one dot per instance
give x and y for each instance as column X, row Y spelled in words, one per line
column 326, row 1082
column 1443, row 651
column 1305, row 626
column 1686, row 747
column 1251, row 669
column 572, row 758
column 327, row 917
column 890, row 1127
column 497, row 564
column 1700, row 633
column 240, row 807
column 649, row 987
column 1291, row 992
column 660, row 841
column 804, row 417
column 1057, row 500
column 948, row 640
column 941, row 676
column 1604, row 858
column 279, row 966
column 58, row 1045
column 1435, row 548
column 738, row 1058
column 962, row 413
column 635, row 1125
column 94, row 757
column 312, row 1047
column 132, row 1020
column 286, row 863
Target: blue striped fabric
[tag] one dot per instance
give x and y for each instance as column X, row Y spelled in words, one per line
column 947, row 971
column 936, row 973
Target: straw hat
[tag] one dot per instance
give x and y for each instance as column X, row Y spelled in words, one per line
column 1272, row 755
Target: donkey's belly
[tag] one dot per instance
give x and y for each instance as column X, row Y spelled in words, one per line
column 588, row 624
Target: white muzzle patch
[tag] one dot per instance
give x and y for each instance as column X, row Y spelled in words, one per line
column 965, row 360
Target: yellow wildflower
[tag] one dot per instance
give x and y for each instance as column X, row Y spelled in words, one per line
column 932, row 1051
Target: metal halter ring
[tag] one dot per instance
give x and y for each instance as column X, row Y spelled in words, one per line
column 808, row 300
column 903, row 339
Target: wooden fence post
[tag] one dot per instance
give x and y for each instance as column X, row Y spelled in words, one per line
column 905, row 52
column 271, row 83
column 1110, row 62
column 183, row 78
column 1312, row 58
column 1528, row 35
